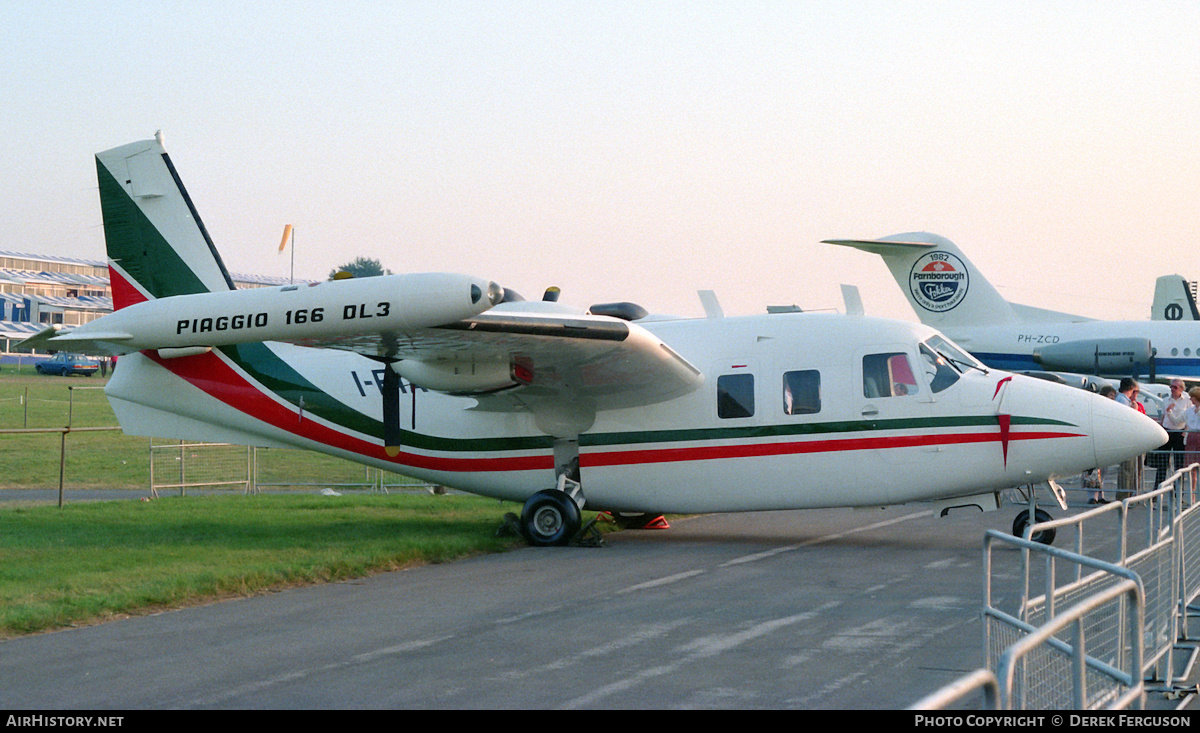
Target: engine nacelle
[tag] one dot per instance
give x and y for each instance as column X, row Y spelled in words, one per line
column 459, row 377
column 1101, row 357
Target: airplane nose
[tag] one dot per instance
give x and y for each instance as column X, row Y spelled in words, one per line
column 1120, row 432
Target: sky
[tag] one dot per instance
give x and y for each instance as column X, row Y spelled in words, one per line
column 633, row 151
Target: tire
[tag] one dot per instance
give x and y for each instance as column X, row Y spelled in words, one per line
column 550, row 518
column 1045, row 537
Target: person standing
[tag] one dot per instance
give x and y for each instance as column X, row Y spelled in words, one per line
column 1169, row 457
column 1192, row 441
column 1094, row 479
column 1129, row 478
column 1128, row 392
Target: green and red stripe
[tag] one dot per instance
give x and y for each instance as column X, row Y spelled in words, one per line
column 273, row 392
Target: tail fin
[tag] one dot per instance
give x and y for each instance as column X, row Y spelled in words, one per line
column 943, row 287
column 1173, row 300
column 157, row 244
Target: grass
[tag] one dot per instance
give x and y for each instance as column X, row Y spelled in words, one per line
column 93, row 459
column 93, row 561
column 111, row 459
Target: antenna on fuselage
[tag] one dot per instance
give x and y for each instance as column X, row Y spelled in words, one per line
column 853, row 300
column 712, row 307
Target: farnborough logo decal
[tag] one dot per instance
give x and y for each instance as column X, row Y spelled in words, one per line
column 938, row 281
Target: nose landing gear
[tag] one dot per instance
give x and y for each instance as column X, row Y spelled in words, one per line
column 1021, row 523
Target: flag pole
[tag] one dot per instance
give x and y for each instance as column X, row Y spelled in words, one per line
column 287, row 234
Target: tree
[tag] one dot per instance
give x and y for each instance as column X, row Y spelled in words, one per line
column 361, row 267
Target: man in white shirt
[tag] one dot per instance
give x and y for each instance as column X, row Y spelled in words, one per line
column 1174, row 421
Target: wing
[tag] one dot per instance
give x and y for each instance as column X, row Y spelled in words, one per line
column 605, row 362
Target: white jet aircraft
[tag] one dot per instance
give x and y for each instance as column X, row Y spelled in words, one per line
column 950, row 294
column 443, row 378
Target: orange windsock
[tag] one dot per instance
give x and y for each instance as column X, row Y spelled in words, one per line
column 287, row 234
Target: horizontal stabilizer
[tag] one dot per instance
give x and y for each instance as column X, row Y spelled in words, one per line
column 880, row 246
column 944, row 289
column 96, row 343
column 41, row 339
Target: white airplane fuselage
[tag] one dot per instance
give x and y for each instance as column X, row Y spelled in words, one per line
column 985, row 431
column 1018, row 347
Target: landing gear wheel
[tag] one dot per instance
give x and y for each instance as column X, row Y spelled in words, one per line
column 550, row 518
column 1045, row 537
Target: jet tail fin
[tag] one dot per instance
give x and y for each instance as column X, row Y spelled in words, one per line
column 943, row 287
column 1173, row 300
column 157, row 244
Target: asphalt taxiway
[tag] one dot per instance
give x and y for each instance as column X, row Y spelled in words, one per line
column 839, row 609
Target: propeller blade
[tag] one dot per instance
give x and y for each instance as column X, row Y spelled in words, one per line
column 391, row 411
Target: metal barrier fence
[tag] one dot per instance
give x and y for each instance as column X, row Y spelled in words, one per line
column 1187, row 532
column 181, row 465
column 980, row 682
column 1118, row 638
column 1114, row 656
column 1093, row 678
column 1139, row 533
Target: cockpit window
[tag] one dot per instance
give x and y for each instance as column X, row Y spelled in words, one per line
column 953, row 353
column 888, row 375
column 938, row 370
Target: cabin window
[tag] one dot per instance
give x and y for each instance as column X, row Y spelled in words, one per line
column 735, row 395
column 802, row 392
column 888, row 375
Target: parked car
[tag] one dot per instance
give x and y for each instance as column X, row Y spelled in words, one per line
column 65, row 365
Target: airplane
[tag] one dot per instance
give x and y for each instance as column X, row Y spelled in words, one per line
column 950, row 294
column 457, row 381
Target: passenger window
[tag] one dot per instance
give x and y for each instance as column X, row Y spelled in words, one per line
column 735, row 395
column 888, row 375
column 801, row 392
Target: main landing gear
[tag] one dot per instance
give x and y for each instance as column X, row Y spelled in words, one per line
column 551, row 518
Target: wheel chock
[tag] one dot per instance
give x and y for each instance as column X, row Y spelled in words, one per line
column 589, row 536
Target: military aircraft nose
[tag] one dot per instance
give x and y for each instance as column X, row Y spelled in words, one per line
column 1120, row 432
